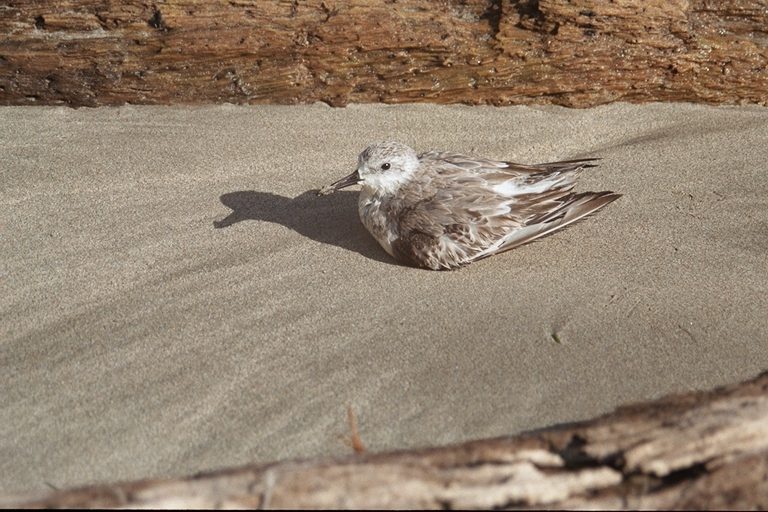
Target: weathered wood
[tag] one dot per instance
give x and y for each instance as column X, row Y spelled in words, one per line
column 702, row 450
column 568, row 52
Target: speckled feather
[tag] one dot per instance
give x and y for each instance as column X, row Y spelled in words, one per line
column 443, row 210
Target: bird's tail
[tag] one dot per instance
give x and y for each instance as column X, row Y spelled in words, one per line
column 574, row 208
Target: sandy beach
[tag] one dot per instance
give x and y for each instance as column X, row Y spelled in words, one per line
column 175, row 298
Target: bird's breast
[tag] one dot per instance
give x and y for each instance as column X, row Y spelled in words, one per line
column 373, row 215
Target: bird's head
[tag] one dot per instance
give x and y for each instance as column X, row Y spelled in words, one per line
column 382, row 167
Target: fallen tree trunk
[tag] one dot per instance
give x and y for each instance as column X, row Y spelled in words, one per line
column 701, row 450
column 575, row 53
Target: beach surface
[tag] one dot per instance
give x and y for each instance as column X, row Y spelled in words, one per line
column 175, row 298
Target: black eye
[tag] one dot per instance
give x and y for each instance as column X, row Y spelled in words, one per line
column 385, row 167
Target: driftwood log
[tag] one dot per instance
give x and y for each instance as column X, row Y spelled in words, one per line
column 568, row 52
column 701, row 450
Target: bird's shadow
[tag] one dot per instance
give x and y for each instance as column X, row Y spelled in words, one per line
column 329, row 219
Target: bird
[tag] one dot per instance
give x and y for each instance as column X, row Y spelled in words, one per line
column 442, row 211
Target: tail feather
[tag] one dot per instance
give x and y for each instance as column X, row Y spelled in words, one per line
column 578, row 207
column 569, row 165
column 564, row 166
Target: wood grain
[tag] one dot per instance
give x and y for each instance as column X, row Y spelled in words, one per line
column 577, row 53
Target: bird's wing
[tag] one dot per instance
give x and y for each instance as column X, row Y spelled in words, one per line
column 450, row 229
column 468, row 163
column 573, row 207
column 459, row 215
column 485, row 165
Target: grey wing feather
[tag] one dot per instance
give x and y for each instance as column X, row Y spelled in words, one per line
column 575, row 208
column 451, row 228
column 485, row 165
column 464, row 162
column 466, row 219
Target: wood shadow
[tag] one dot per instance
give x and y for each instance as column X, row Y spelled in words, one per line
column 328, row 219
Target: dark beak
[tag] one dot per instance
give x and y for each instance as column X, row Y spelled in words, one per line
column 347, row 181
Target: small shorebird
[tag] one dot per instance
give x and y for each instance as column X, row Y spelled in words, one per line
column 443, row 211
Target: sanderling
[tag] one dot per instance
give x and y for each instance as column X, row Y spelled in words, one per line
column 443, row 211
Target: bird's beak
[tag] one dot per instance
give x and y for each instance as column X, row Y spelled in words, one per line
column 347, row 181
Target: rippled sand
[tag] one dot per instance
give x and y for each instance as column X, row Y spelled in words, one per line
column 174, row 297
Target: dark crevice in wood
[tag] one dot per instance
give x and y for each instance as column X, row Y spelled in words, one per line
column 157, row 21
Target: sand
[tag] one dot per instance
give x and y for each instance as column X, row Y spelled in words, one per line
column 174, row 298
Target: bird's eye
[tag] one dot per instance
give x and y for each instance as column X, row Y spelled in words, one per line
column 385, row 166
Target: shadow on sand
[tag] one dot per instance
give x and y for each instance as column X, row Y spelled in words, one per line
column 328, row 219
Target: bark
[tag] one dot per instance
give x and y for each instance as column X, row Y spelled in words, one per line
column 701, row 450
column 569, row 52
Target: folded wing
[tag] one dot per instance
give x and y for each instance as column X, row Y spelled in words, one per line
column 481, row 207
